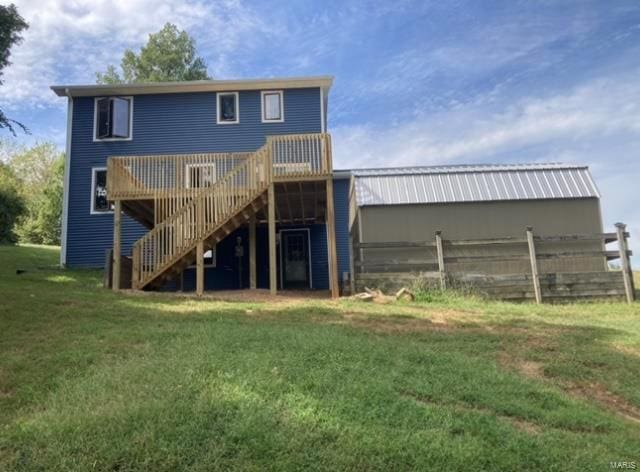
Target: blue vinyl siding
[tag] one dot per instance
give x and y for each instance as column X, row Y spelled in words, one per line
column 341, row 205
column 165, row 124
column 226, row 273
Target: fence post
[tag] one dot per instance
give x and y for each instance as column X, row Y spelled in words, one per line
column 626, row 265
column 440, row 252
column 534, row 265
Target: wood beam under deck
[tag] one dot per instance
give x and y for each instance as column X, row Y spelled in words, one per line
column 331, row 243
column 271, row 207
column 252, row 253
column 117, row 216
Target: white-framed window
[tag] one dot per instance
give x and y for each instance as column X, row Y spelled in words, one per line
column 99, row 203
column 227, row 108
column 209, row 258
column 200, row 175
column 272, row 106
column 113, row 119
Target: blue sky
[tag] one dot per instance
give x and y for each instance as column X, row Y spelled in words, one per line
column 417, row 82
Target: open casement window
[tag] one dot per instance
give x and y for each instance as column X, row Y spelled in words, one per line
column 272, row 107
column 228, row 108
column 99, row 202
column 200, row 175
column 113, row 118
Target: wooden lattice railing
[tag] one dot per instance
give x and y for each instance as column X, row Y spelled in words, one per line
column 181, row 176
column 177, row 235
column 195, row 194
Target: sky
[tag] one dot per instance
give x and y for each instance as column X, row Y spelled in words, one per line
column 416, row 82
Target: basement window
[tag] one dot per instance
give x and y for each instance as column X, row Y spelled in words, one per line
column 209, row 259
column 272, row 109
column 113, row 119
column 227, row 107
column 99, row 202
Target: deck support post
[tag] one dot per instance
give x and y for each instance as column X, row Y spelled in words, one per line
column 200, row 268
column 534, row 266
column 440, row 254
column 625, row 263
column 331, row 242
column 352, row 266
column 271, row 204
column 117, row 215
column 252, row 253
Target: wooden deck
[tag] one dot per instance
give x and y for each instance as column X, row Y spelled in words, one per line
column 196, row 200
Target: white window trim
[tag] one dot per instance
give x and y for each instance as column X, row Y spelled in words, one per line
column 214, row 253
column 92, row 209
column 263, row 108
column 95, row 119
column 218, row 109
column 188, row 167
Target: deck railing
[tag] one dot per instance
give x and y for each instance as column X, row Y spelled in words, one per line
column 293, row 157
column 178, row 234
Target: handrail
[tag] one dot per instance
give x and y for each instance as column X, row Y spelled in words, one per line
column 194, row 194
column 294, row 156
column 177, row 235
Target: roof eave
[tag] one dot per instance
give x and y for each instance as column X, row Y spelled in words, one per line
column 323, row 82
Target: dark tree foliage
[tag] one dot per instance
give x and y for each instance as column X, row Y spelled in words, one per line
column 11, row 24
column 12, row 204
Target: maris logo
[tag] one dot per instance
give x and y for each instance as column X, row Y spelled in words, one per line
column 623, row 465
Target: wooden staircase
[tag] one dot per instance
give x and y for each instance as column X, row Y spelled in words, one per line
column 209, row 216
column 191, row 202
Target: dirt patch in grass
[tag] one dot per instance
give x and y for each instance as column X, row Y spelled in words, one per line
column 518, row 423
column 389, row 325
column 612, row 402
column 592, row 392
column 246, row 296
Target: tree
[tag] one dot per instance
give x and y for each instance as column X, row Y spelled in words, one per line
column 11, row 24
column 169, row 56
column 11, row 203
column 39, row 171
column 41, row 222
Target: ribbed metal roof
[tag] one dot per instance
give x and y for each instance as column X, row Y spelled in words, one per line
column 472, row 183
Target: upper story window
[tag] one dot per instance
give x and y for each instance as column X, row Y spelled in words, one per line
column 113, row 118
column 228, row 110
column 99, row 202
column 272, row 107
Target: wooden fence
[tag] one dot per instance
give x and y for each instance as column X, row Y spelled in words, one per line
column 575, row 266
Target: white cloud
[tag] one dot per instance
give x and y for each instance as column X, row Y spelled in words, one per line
column 68, row 41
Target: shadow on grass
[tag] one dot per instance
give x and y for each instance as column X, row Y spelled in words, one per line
column 117, row 382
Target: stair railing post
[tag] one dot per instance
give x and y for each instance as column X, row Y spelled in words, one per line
column 135, row 271
column 440, row 254
column 625, row 262
column 117, row 214
column 534, row 265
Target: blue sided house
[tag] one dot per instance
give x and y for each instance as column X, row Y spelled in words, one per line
column 205, row 185
column 228, row 184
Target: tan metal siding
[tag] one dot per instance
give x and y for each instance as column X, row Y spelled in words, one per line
column 483, row 220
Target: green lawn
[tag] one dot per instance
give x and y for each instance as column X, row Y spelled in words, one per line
column 91, row 380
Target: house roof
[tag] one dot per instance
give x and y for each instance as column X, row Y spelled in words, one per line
column 323, row 82
column 472, row 183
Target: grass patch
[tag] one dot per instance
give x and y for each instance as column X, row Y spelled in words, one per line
column 91, row 380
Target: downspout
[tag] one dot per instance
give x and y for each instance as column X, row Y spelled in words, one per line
column 67, row 173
